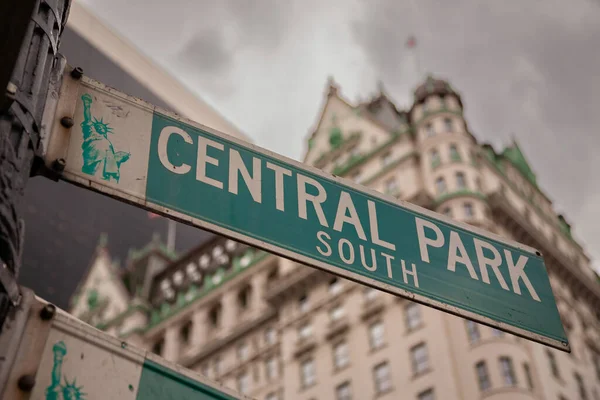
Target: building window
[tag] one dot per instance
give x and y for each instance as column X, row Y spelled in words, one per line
column 461, row 182
column 343, row 392
column 483, row 378
column 553, row 364
column 429, row 131
column 580, row 386
column 340, row 355
column 271, row 368
column 440, row 185
column 270, row 336
column 454, row 154
column 508, row 372
column 478, row 184
column 473, row 331
column 376, row 335
column 434, row 155
column 391, row 186
column 158, row 347
column 243, row 383
column 386, row 159
column 528, row 377
column 335, row 286
column 303, row 303
column 419, row 358
column 447, row 212
column 214, row 316
column 305, row 331
column 448, row 125
column 307, row 373
column 497, row 332
column 426, row 395
column 243, row 351
column 469, row 211
column 244, row 297
column 383, row 380
column 412, row 313
column 336, row 313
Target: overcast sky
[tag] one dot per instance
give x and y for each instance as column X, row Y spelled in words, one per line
column 528, row 68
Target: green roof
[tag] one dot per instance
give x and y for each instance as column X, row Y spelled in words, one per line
column 514, row 154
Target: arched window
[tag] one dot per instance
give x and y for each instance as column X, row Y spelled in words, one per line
column 429, row 131
column 454, row 154
column 244, row 297
column 435, row 158
column 461, row 182
column 440, row 185
column 448, row 125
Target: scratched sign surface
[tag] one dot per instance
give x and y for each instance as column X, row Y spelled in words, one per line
column 131, row 150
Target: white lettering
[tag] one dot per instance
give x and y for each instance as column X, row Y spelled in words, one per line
column 317, row 200
column 388, row 261
column 279, row 173
column 163, row 140
column 350, row 259
column 363, row 261
column 424, row 241
column 412, row 272
column 458, row 253
column 484, row 262
column 252, row 182
column 320, row 236
column 375, row 229
column 346, row 204
column 518, row 272
column 203, row 159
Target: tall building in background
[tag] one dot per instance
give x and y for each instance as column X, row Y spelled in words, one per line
column 63, row 222
column 276, row 330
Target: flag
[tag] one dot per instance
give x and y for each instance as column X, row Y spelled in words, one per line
column 411, row 42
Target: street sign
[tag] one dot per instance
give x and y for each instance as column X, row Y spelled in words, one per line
column 133, row 151
column 73, row 360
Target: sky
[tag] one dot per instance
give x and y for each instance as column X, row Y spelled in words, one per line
column 528, row 69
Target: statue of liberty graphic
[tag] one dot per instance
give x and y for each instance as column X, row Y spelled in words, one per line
column 97, row 149
column 66, row 391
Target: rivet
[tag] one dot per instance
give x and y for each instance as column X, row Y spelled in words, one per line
column 67, row 122
column 26, row 383
column 59, row 164
column 47, row 313
column 77, row 73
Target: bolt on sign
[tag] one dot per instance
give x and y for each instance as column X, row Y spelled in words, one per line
column 133, row 151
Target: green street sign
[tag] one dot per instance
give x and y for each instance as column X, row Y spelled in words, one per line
column 136, row 152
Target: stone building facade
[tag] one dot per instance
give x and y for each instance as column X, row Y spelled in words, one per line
column 274, row 329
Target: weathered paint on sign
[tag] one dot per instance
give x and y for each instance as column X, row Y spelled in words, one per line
column 181, row 169
column 80, row 362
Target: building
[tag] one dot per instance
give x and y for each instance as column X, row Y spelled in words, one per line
column 57, row 243
column 274, row 329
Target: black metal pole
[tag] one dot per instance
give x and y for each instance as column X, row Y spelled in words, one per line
column 20, row 121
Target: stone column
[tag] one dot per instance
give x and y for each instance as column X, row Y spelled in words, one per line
column 259, row 286
column 229, row 307
column 199, row 327
column 171, row 351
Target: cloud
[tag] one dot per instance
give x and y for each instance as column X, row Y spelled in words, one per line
column 524, row 68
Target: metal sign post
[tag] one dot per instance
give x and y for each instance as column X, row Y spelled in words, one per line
column 31, row 29
column 138, row 153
